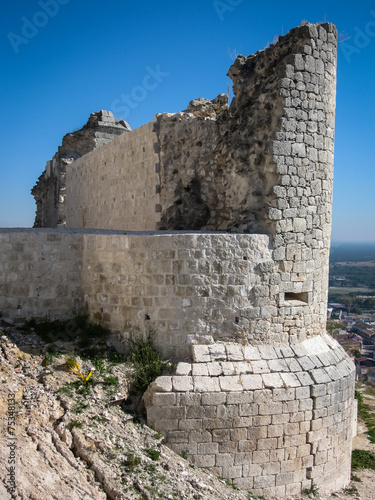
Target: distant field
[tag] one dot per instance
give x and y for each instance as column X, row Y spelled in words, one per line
column 356, row 264
column 343, row 290
column 352, row 252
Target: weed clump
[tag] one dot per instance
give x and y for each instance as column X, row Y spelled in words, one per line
column 314, row 491
column 131, row 462
column 363, row 459
column 147, row 362
column 365, row 412
column 153, row 454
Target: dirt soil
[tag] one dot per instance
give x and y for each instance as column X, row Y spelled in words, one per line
column 83, row 442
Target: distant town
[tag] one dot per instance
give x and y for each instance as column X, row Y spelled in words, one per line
column 351, row 304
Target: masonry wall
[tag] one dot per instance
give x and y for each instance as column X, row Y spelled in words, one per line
column 185, row 287
column 50, row 190
column 117, row 185
column 40, row 273
column 264, row 397
column 272, row 420
column 263, row 165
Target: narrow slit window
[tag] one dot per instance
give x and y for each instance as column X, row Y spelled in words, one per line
column 297, row 297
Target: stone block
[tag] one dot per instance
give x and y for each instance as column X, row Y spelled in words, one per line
column 270, row 408
column 157, row 413
column 272, row 380
column 177, row 437
column 162, row 384
column 246, row 410
column 302, row 392
column 201, row 354
column 204, row 461
column 320, row 376
column 206, row 384
column 214, row 369
column 208, row 448
column 231, row 383
column 189, row 424
column 277, row 365
column 251, row 382
column 164, row 399
column 182, row 384
column 232, row 472
column 290, row 380
column 234, row 352
column 189, row 399
column 201, row 412
column 264, row 481
column 305, row 379
column 227, row 368
column 183, row 369
column 235, row 398
column 242, row 422
column 267, row 352
column 225, row 459
column 218, row 352
column 216, row 398
column 251, row 353
column 218, row 423
column 227, row 411
column 199, row 436
column 199, row 369
column 260, row 366
column 242, row 367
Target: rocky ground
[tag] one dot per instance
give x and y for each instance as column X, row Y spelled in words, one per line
column 84, row 442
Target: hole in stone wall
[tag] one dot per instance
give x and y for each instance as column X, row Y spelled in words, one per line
column 296, row 297
column 244, row 258
column 236, row 320
column 147, row 317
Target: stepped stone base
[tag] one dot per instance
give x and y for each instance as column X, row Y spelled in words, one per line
column 275, row 420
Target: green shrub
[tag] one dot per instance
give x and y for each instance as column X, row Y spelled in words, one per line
column 131, row 461
column 111, row 380
column 75, row 423
column 314, row 491
column 153, row 454
column 366, row 413
column 363, row 459
column 147, row 362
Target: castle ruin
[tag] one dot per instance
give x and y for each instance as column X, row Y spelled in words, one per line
column 212, row 226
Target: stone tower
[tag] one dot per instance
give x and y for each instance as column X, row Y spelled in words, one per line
column 212, row 226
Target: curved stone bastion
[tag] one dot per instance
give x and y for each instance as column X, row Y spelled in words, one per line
column 273, row 419
column 230, row 270
column 263, row 397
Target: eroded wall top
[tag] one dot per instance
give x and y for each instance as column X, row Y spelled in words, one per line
column 262, row 165
column 50, row 189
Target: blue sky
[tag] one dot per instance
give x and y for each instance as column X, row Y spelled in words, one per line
column 64, row 59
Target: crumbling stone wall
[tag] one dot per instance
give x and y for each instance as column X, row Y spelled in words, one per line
column 50, row 190
column 263, row 397
column 263, row 165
